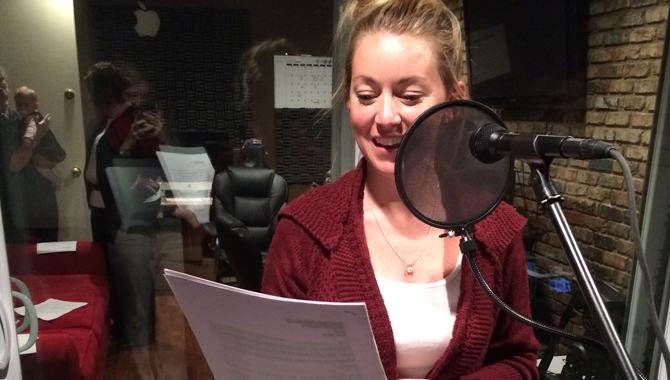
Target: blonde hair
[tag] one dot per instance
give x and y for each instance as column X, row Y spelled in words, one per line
column 422, row 18
column 25, row 92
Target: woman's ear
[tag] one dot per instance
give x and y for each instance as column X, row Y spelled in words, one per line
column 460, row 91
column 463, row 88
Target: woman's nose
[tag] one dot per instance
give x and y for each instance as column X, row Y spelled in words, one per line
column 388, row 114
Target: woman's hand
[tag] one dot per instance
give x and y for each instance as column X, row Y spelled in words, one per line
column 148, row 125
column 147, row 183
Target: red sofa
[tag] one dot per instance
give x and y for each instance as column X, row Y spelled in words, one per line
column 73, row 346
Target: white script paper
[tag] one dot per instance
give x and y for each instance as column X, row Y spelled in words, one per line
column 52, row 309
column 57, row 246
column 248, row 335
column 188, row 169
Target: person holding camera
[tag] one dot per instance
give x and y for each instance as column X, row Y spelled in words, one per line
column 124, row 131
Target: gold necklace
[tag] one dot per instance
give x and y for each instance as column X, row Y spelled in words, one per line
column 410, row 266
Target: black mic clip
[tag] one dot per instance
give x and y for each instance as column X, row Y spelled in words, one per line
column 460, row 231
column 467, row 244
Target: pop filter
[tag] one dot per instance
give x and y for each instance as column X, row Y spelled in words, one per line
column 438, row 178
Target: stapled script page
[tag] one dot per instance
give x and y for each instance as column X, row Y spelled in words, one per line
column 248, row 335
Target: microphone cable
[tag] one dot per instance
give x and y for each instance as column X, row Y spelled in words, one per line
column 470, row 256
column 642, row 259
column 645, row 272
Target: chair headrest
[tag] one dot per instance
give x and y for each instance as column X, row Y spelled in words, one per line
column 251, row 182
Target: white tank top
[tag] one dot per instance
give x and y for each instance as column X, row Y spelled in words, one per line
column 422, row 317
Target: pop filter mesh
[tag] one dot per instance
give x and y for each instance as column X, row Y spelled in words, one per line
column 438, row 178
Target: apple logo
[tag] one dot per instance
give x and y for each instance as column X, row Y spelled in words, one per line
column 148, row 22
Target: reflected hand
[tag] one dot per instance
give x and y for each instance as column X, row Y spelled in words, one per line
column 58, row 184
column 148, row 125
column 147, row 183
column 43, row 126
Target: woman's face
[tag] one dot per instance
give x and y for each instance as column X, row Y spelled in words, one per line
column 394, row 79
column 131, row 97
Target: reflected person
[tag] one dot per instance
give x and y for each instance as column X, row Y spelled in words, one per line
column 41, row 205
column 49, row 152
column 21, row 208
column 125, row 131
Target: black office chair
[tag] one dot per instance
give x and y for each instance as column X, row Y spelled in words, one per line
column 246, row 203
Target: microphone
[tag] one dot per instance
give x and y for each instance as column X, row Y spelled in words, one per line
column 492, row 142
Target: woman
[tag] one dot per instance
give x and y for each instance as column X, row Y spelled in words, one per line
column 124, row 132
column 356, row 241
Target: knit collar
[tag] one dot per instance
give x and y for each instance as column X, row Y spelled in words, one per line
column 324, row 210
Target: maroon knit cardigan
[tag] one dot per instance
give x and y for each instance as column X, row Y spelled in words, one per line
column 319, row 252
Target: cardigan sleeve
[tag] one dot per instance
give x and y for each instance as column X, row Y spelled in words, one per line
column 287, row 271
column 512, row 351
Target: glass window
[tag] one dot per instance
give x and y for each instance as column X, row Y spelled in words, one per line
column 148, row 104
column 143, row 136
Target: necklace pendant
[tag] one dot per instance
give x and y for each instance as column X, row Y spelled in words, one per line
column 410, row 269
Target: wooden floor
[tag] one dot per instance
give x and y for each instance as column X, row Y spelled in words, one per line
column 175, row 354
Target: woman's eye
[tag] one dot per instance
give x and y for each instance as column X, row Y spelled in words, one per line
column 365, row 98
column 411, row 98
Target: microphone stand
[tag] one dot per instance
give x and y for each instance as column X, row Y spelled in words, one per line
column 549, row 201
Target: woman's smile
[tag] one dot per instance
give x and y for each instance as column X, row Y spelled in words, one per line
column 387, row 142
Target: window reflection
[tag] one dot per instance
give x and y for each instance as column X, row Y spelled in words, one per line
column 190, row 80
column 206, row 71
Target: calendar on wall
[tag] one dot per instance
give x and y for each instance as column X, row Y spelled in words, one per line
column 303, row 81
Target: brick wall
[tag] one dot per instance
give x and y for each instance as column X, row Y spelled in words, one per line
column 625, row 47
